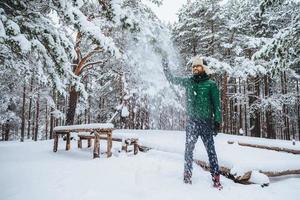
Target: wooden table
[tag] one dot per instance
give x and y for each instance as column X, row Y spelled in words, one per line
column 96, row 129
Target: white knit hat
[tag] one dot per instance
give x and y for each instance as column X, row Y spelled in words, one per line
column 197, row 60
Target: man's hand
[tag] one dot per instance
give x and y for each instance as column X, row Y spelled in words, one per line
column 166, row 69
column 217, row 127
column 165, row 63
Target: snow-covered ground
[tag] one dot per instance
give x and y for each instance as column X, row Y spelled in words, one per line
column 240, row 159
column 30, row 170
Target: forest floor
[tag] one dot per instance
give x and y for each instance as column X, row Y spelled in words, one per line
column 31, row 171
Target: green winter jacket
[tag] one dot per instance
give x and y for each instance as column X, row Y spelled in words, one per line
column 202, row 96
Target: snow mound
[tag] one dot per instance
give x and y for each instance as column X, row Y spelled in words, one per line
column 259, row 178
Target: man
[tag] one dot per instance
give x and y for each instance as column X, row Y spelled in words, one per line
column 204, row 115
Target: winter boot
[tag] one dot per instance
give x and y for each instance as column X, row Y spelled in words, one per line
column 187, row 178
column 216, row 181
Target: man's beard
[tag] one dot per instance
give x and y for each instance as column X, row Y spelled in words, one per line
column 198, row 73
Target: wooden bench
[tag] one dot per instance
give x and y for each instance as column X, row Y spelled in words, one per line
column 126, row 142
column 96, row 129
column 85, row 137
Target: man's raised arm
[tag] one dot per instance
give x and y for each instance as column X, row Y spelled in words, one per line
column 169, row 75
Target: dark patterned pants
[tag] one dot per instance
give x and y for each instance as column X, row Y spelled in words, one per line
column 194, row 129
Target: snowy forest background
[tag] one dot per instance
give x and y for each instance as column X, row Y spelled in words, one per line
column 88, row 61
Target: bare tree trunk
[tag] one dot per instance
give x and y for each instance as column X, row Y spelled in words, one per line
column 245, row 108
column 78, row 119
column 51, row 124
column 298, row 106
column 255, row 118
column 57, row 107
column 85, row 115
column 51, row 115
column 37, row 115
column 240, row 108
column 23, row 114
column 213, row 37
column 194, row 48
column 2, row 131
column 257, row 128
column 138, row 114
column 287, row 120
column 86, row 108
column 131, row 113
column 268, row 115
column 235, row 109
column 6, row 131
column 89, row 111
column 286, row 131
column 225, row 104
column 29, row 109
column 231, row 115
column 33, row 126
column 146, row 113
column 46, row 122
column 73, row 98
column 293, row 131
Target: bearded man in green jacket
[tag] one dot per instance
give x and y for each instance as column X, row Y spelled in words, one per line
column 204, row 115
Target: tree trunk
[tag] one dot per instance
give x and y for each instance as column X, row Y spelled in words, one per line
column 213, row 37
column 255, row 118
column 257, row 126
column 29, row 108
column 194, row 48
column 73, row 97
column 23, row 114
column 85, row 115
column 240, row 107
column 287, row 120
column 235, row 109
column 51, row 116
column 298, row 106
column 33, row 125
column 268, row 115
column 89, row 111
column 231, row 115
column 245, row 108
column 2, row 131
column 224, row 104
column 37, row 115
column 51, row 124
column 286, row 131
column 46, row 122
column 6, row 131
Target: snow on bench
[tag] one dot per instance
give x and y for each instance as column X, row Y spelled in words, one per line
column 84, row 127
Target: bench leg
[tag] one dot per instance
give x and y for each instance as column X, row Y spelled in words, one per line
column 96, row 146
column 135, row 148
column 79, row 143
column 68, row 142
column 55, row 142
column 109, row 145
column 124, row 147
column 89, row 143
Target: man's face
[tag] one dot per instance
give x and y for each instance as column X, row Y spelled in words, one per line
column 197, row 69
